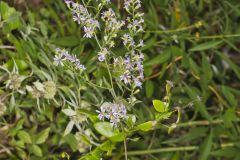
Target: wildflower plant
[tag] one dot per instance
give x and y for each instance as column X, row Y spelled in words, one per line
column 122, row 78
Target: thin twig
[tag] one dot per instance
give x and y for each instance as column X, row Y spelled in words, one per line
column 173, row 149
column 168, row 66
column 216, row 36
column 196, row 25
column 125, row 143
column 7, row 47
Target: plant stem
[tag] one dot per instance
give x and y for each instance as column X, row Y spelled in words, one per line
column 7, row 47
column 173, row 149
column 160, row 150
column 202, row 123
column 196, row 25
column 216, row 36
column 90, row 83
column 194, row 123
column 110, row 75
column 111, row 80
column 125, row 144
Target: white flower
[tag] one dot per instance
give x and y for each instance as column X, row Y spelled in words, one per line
column 58, row 60
column 128, row 40
column 141, row 44
column 89, row 31
column 102, row 54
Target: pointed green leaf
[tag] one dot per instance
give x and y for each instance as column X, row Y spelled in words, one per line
column 69, row 127
column 106, row 129
column 206, row 147
column 42, row 136
column 146, row 126
column 71, row 141
column 24, row 136
column 205, row 46
column 159, row 106
column 149, row 87
column 198, row 102
column 36, row 150
column 117, row 138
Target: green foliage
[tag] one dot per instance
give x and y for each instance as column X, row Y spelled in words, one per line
column 159, row 106
column 194, row 44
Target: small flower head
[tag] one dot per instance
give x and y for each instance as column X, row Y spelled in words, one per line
column 50, row 89
column 14, row 81
column 82, row 17
column 102, row 54
column 63, row 56
column 58, row 60
column 114, row 112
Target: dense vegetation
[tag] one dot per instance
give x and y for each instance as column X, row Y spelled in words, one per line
column 186, row 107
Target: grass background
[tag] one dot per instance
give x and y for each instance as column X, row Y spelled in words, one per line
column 193, row 43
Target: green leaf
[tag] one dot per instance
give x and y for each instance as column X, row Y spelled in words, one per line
column 229, row 117
column 229, row 96
column 206, row 147
column 206, row 66
column 159, row 106
column 19, row 143
column 10, row 16
column 69, row 127
column 6, row 11
column 149, row 87
column 43, row 28
column 198, row 102
column 233, row 66
column 42, row 136
column 117, row 138
column 205, row 46
column 159, row 59
column 92, row 116
column 69, row 41
column 24, row 136
column 146, row 126
column 195, row 133
column 21, row 153
column 225, row 152
column 162, row 116
column 106, row 129
column 194, row 67
column 21, row 64
column 36, row 150
column 71, row 141
column 108, row 146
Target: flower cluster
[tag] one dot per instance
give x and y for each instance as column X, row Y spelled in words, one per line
column 114, row 112
column 42, row 90
column 133, row 61
column 112, row 27
column 15, row 80
column 136, row 21
column 82, row 17
column 133, row 69
column 129, row 42
column 63, row 55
